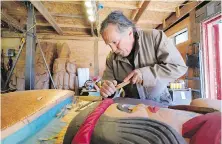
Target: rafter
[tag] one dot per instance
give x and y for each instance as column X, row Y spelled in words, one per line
column 141, row 10
column 149, row 22
column 40, row 7
column 161, row 10
column 183, row 11
column 8, row 34
column 11, row 21
column 136, row 10
column 63, row 25
column 118, row 5
column 67, row 15
column 69, row 2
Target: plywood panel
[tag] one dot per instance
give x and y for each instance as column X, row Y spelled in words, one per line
column 64, row 20
column 106, row 11
column 82, row 51
column 63, row 8
column 18, row 10
column 12, row 43
column 183, row 24
column 166, row 5
column 153, row 15
column 103, row 51
column 186, row 23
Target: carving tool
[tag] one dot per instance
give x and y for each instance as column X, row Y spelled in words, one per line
column 121, row 85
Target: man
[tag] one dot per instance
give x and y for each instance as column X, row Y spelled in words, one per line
column 145, row 58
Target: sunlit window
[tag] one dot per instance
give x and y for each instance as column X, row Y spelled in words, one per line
column 182, row 37
column 179, row 37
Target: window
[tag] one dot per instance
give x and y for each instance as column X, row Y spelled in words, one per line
column 182, row 37
column 179, row 37
column 172, row 39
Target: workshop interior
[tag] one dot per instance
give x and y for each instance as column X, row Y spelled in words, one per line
column 53, row 60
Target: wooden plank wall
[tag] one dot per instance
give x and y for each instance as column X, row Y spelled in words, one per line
column 186, row 23
column 88, row 53
column 12, row 43
column 103, row 51
column 183, row 24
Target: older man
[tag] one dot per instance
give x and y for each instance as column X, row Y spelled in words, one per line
column 146, row 58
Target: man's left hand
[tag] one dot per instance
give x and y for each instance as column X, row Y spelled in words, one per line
column 135, row 77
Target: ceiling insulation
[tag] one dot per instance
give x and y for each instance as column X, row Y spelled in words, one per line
column 70, row 15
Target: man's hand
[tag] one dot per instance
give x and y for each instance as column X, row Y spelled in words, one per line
column 135, row 77
column 108, row 88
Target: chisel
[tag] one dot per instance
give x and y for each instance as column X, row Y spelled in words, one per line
column 119, row 86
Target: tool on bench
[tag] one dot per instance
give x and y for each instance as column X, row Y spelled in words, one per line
column 85, row 105
column 119, row 86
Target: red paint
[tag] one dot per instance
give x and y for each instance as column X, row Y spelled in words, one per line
column 211, row 62
column 83, row 136
column 153, row 109
column 218, row 64
column 204, row 129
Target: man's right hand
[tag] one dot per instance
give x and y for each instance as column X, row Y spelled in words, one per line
column 108, row 88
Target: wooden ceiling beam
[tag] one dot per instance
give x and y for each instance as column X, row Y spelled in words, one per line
column 68, row 2
column 64, row 25
column 141, row 11
column 136, row 10
column 141, row 22
column 118, row 5
column 40, row 7
column 183, row 11
column 52, row 36
column 67, row 15
column 59, row 37
column 161, row 10
column 17, row 6
column 11, row 21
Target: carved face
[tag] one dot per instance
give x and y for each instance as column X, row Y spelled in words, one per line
column 165, row 115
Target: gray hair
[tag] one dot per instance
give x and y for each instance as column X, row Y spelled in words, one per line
column 117, row 18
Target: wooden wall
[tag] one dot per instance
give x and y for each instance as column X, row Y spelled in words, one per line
column 182, row 46
column 189, row 24
column 12, row 43
column 82, row 51
column 103, row 51
column 88, row 53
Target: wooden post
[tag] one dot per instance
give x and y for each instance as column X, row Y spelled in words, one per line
column 96, row 57
column 177, row 11
column 164, row 23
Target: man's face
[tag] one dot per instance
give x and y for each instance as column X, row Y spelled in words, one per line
column 120, row 43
